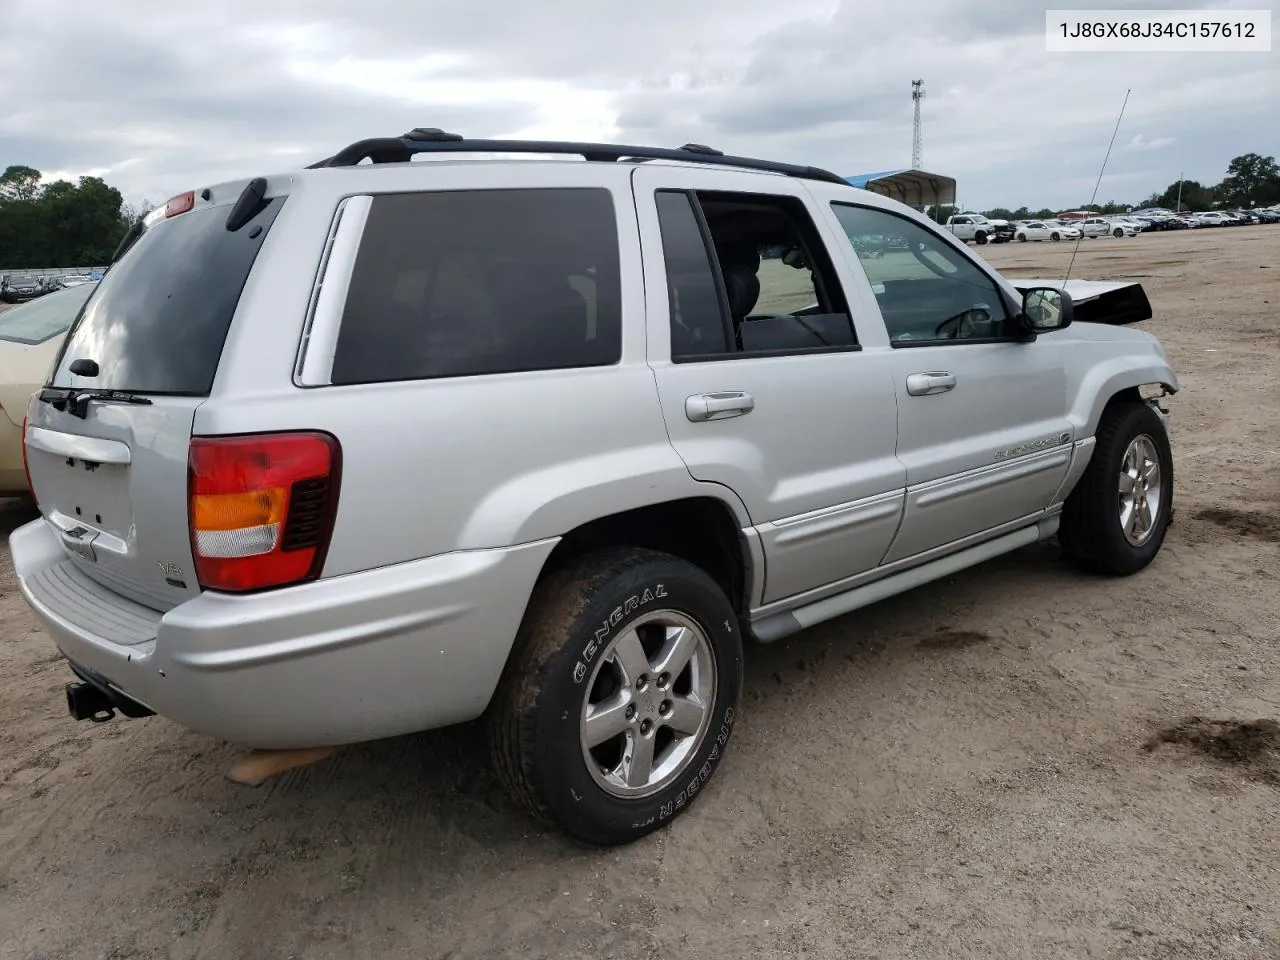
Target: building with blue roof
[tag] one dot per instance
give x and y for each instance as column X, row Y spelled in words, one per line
column 915, row 188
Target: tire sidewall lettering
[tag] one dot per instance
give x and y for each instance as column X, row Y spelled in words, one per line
column 604, row 631
column 682, row 799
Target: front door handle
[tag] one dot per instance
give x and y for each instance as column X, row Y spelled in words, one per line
column 718, row 406
column 927, row 384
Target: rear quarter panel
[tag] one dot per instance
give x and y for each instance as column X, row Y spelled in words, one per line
column 432, row 466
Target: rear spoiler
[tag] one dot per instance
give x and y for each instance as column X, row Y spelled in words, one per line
column 1099, row 301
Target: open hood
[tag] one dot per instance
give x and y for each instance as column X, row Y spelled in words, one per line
column 1099, row 301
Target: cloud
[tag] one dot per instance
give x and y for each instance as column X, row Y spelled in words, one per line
column 1141, row 142
column 158, row 97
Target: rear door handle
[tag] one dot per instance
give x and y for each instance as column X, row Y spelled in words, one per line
column 927, row 384
column 718, row 406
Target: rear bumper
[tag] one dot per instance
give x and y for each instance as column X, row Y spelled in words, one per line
column 359, row 657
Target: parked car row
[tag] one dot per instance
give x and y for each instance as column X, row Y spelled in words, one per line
column 19, row 288
column 1161, row 219
column 1130, row 225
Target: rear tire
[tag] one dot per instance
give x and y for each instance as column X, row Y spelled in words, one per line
column 1115, row 520
column 591, row 650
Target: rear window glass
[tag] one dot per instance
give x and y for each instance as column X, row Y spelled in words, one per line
column 161, row 315
column 459, row 283
column 37, row 321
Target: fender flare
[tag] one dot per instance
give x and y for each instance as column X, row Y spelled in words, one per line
column 1109, row 378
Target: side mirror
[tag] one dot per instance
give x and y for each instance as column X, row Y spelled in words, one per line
column 1045, row 309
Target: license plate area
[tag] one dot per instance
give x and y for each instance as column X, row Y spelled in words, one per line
column 87, row 500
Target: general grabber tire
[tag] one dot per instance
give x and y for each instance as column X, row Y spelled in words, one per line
column 620, row 697
column 1115, row 519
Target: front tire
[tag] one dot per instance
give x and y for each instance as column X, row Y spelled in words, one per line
column 620, row 699
column 1115, row 520
column 1055, row 236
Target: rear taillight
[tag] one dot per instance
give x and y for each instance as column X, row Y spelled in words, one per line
column 26, row 467
column 261, row 508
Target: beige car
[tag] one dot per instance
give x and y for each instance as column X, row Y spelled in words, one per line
column 30, row 337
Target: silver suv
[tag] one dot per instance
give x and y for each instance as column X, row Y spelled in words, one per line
column 375, row 447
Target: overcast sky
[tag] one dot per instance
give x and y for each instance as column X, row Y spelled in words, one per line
column 158, row 96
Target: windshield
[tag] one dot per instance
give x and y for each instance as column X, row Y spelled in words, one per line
column 162, row 312
column 41, row 319
column 23, row 281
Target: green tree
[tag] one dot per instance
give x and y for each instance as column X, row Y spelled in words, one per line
column 62, row 225
column 83, row 221
column 1194, row 196
column 19, row 183
column 1251, row 179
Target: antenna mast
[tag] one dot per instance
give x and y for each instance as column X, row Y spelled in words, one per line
column 917, row 94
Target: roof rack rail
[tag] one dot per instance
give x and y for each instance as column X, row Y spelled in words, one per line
column 433, row 140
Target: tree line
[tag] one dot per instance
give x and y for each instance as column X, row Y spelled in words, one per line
column 1252, row 180
column 59, row 224
column 64, row 224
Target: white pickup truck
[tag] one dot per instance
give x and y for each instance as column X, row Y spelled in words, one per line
column 979, row 229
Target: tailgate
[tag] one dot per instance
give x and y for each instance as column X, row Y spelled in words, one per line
column 108, row 437
column 114, row 485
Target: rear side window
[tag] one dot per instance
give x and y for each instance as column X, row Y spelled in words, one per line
column 460, row 283
column 159, row 318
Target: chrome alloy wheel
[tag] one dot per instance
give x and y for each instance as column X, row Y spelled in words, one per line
column 648, row 705
column 1141, row 490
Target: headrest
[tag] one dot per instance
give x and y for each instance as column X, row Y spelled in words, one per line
column 743, row 288
column 739, row 264
column 742, row 255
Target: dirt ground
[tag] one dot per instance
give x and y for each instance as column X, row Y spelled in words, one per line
column 1019, row 762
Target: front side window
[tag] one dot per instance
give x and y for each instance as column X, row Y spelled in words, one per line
column 748, row 274
column 928, row 291
column 469, row 282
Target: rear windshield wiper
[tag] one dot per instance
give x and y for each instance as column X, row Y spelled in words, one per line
column 76, row 402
